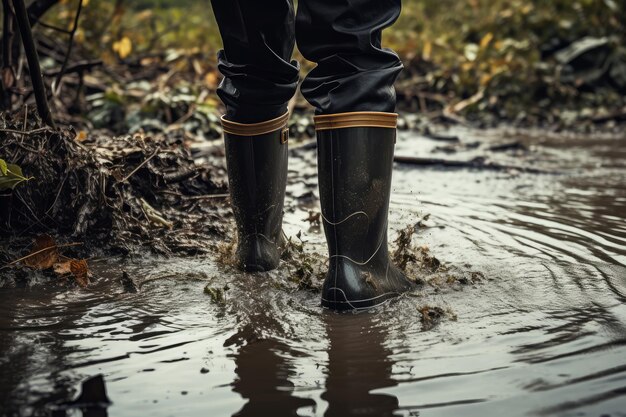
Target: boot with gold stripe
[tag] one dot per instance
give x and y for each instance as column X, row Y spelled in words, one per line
column 355, row 162
column 256, row 158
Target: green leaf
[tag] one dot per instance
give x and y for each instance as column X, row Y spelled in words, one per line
column 10, row 176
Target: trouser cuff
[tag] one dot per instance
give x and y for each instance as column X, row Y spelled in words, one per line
column 256, row 113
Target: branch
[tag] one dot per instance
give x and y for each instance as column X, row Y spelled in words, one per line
column 32, row 57
column 7, row 34
column 7, row 75
column 38, row 8
column 476, row 163
column 79, row 67
column 57, row 82
column 55, row 28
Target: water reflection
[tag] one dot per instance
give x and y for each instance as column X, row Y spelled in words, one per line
column 358, row 364
column 263, row 377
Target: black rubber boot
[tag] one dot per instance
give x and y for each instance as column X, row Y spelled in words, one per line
column 355, row 161
column 256, row 158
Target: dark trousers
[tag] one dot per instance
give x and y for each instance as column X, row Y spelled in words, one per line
column 343, row 37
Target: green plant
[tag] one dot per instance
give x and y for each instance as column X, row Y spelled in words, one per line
column 10, row 176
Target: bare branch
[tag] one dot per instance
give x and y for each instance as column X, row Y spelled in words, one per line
column 57, row 82
column 32, row 57
column 7, row 74
column 55, row 28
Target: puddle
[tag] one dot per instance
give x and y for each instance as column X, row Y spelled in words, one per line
column 542, row 333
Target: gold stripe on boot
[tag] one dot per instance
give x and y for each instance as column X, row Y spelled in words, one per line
column 254, row 129
column 356, row 119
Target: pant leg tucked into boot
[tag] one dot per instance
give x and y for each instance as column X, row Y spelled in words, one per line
column 256, row 157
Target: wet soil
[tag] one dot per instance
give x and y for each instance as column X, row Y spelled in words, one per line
column 522, row 311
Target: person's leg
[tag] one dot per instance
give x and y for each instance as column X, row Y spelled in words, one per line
column 343, row 37
column 352, row 88
column 259, row 80
column 259, row 76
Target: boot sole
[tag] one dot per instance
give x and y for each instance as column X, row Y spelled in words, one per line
column 341, row 303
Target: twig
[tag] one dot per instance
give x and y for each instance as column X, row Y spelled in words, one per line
column 7, row 34
column 153, row 215
column 38, row 8
column 32, row 57
column 476, row 163
column 57, row 81
column 206, row 197
column 141, row 165
column 58, row 194
column 26, row 133
column 460, row 106
column 67, row 245
column 8, row 60
column 618, row 115
column 195, row 197
column 78, row 67
column 178, row 123
column 55, row 28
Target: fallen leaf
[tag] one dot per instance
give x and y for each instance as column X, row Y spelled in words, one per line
column 62, row 268
column 81, row 136
column 314, row 218
column 211, row 79
column 8, row 77
column 427, row 51
column 486, row 40
column 44, row 253
column 123, row 47
column 80, row 271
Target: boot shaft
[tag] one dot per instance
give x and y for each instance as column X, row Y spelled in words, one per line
column 355, row 168
column 256, row 159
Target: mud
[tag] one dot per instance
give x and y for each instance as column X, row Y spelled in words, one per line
column 521, row 311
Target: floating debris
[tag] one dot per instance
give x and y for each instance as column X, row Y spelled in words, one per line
column 128, row 284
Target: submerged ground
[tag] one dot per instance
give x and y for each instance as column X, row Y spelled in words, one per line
column 527, row 316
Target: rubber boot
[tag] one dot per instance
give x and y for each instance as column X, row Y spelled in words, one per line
column 256, row 159
column 355, row 162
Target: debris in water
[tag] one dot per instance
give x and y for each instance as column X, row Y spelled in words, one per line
column 428, row 260
column 80, row 272
column 511, row 146
column 44, row 253
column 92, row 399
column 93, row 393
column 217, row 294
column 477, row 276
column 314, row 218
column 304, row 269
column 431, row 316
column 367, row 276
column 408, row 258
column 225, row 252
column 128, row 283
column 404, row 253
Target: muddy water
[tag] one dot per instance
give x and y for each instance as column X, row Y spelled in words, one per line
column 544, row 333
